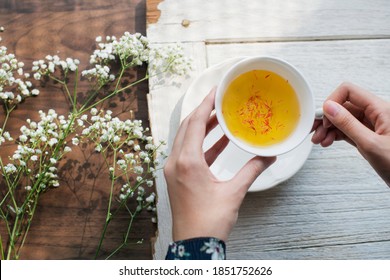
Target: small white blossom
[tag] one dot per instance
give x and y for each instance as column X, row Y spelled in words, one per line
column 149, row 183
column 52, row 142
column 94, row 111
column 150, row 198
column 10, row 168
column 23, row 138
column 75, row 141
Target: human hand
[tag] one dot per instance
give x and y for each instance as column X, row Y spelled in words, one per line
column 202, row 205
column 362, row 119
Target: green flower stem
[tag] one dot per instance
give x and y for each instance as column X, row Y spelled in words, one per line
column 28, row 223
column 64, row 84
column 1, row 248
column 124, row 243
column 12, row 238
column 11, row 187
column 83, row 110
column 7, row 114
column 126, row 237
column 120, row 76
column 74, row 102
column 108, row 215
column 91, row 97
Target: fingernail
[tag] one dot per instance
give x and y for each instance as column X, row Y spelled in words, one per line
column 331, row 108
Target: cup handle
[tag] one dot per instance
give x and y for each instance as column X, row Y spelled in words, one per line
column 319, row 114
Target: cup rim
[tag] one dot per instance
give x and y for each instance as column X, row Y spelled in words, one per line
column 291, row 142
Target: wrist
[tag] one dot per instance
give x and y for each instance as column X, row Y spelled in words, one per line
column 184, row 231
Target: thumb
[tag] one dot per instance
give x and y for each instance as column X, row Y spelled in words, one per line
column 251, row 170
column 341, row 118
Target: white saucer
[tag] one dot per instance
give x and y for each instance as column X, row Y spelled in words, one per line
column 232, row 158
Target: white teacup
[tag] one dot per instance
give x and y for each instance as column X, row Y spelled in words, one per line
column 303, row 93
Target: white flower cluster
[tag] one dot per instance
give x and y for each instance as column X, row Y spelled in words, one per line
column 134, row 50
column 130, row 49
column 101, row 73
column 14, row 83
column 48, row 65
column 169, row 59
column 5, row 136
column 135, row 150
column 37, row 146
column 107, row 130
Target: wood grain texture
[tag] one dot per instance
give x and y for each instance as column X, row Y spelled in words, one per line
column 69, row 219
column 335, row 207
column 152, row 11
column 269, row 20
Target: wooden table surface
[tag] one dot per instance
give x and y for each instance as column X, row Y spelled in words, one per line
column 335, row 207
column 70, row 219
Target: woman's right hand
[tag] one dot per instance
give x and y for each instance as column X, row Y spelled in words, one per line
column 359, row 117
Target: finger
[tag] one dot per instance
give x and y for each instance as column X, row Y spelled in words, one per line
column 330, row 137
column 355, row 94
column 250, row 171
column 346, row 122
column 319, row 135
column 197, row 122
column 179, row 138
column 358, row 113
column 212, row 154
column 316, row 124
column 326, row 123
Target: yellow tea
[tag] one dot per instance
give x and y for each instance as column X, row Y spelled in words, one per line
column 261, row 108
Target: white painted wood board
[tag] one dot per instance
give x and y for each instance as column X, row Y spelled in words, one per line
column 248, row 20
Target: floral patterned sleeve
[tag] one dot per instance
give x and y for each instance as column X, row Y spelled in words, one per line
column 203, row 248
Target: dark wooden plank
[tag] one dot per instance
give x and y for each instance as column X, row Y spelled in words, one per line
column 69, row 219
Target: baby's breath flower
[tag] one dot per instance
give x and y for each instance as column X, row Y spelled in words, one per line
column 151, row 198
column 75, row 141
column 170, row 60
column 10, row 168
column 94, row 111
column 139, row 179
column 52, row 142
column 55, row 183
column 138, row 169
column 14, row 83
column 149, row 183
column 98, row 148
column 23, row 138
